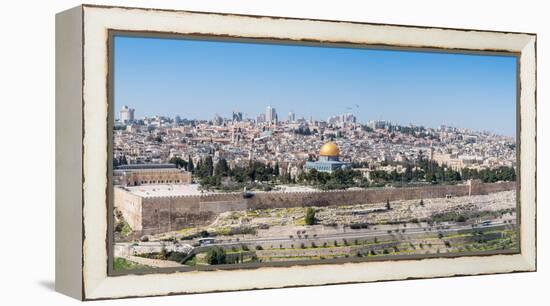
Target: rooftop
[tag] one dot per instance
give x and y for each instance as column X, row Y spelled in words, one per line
column 329, row 149
column 175, row 190
column 165, row 190
column 145, row 166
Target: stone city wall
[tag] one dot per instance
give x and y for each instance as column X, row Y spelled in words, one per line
column 346, row 197
column 162, row 214
column 130, row 206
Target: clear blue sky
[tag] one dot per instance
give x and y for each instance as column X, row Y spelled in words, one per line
column 196, row 79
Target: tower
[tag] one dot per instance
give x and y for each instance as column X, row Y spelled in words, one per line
column 270, row 114
column 127, row 114
column 291, row 117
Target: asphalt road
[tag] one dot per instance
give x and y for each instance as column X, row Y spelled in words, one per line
column 350, row 235
column 358, row 234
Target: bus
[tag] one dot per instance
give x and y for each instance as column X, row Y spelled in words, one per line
column 206, row 241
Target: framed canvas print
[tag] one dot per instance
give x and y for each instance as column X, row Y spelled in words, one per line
column 201, row 152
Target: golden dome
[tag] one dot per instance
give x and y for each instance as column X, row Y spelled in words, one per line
column 329, row 149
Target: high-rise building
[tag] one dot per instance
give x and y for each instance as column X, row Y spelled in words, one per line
column 333, row 119
column 127, row 114
column 217, row 120
column 260, row 118
column 291, row 117
column 237, row 116
column 349, row 118
column 270, row 114
column 377, row 124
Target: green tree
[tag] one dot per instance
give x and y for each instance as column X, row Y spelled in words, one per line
column 408, row 173
column 164, row 252
column 276, row 169
column 222, row 168
column 209, row 165
column 180, row 163
column 216, row 256
column 190, row 165
column 310, row 216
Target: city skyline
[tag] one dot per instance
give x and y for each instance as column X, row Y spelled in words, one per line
column 285, row 118
column 398, row 86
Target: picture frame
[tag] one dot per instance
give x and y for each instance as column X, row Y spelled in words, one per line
column 84, row 113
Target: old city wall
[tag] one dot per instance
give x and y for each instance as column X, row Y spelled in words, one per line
column 343, row 197
column 486, row 188
column 163, row 214
column 130, row 207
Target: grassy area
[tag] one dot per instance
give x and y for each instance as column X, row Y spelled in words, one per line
column 475, row 240
column 191, row 261
column 121, row 264
column 126, row 229
column 453, row 216
column 122, row 227
column 187, row 230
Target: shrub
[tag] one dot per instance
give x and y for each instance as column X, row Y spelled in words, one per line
column 177, row 256
column 310, row 216
column 216, row 256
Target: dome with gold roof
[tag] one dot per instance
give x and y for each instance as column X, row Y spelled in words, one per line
column 329, row 159
column 329, row 149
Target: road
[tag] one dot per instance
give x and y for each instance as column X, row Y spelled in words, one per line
column 126, row 249
column 357, row 234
